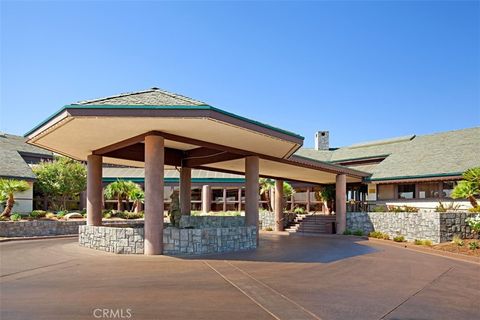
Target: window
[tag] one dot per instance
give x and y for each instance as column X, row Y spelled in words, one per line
column 386, row 191
column 428, row 190
column 447, row 188
column 406, row 191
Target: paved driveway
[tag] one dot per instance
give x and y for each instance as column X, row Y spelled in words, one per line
column 289, row 277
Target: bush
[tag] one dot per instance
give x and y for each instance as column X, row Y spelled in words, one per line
column 423, row 242
column 347, row 232
column 61, row 214
column 36, row 214
column 449, row 207
column 385, row 237
column 16, row 217
column 399, row 239
column 458, row 241
column 474, row 210
column 473, row 245
column 268, row 229
column 299, row 210
column 50, row 215
column 376, row 234
column 401, row 209
column 134, row 215
column 474, row 223
column 358, row 232
column 379, row 209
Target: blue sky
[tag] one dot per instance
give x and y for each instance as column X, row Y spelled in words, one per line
column 363, row 70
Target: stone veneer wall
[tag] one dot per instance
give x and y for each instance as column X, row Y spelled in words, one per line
column 267, row 219
column 112, row 239
column 435, row 226
column 175, row 241
column 39, row 228
column 199, row 222
column 209, row 240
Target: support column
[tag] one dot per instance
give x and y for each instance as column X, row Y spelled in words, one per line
column 279, row 217
column 154, row 194
column 206, row 199
column 224, row 199
column 94, row 190
column 341, row 203
column 308, row 200
column 239, row 199
column 185, row 190
column 251, row 191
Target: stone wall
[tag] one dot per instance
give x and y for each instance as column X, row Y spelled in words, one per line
column 39, row 228
column 199, row 222
column 112, row 239
column 175, row 241
column 209, row 240
column 435, row 226
column 267, row 219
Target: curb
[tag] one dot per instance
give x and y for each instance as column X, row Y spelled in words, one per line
column 433, row 252
column 66, row 236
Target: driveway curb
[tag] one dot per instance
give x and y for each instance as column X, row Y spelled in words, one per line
column 38, row 238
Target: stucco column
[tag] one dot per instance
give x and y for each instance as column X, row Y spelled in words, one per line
column 278, row 208
column 185, row 190
column 154, row 194
column 308, row 200
column 206, row 199
column 341, row 203
column 251, row 190
column 94, row 190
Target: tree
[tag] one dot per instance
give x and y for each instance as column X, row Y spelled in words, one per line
column 121, row 190
column 60, row 180
column 326, row 195
column 265, row 186
column 8, row 188
column 469, row 187
column 287, row 193
column 137, row 196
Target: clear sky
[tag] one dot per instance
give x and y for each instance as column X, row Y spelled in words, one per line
column 362, row 69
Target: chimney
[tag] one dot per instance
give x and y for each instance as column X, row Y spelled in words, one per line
column 322, row 140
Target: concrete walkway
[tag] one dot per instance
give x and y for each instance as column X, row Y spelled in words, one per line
column 288, row 277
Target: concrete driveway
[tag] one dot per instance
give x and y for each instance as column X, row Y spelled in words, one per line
column 289, row 277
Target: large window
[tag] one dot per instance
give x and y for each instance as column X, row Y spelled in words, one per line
column 428, row 190
column 406, row 191
column 386, row 191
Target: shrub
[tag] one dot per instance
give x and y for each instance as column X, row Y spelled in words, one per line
column 474, row 223
column 457, row 240
column 380, row 209
column 449, row 207
column 347, row 232
column 376, row 234
column 473, row 245
column 474, row 210
column 385, row 237
column 16, row 217
column 61, row 214
column 50, row 215
column 299, row 210
column 134, row 215
column 36, row 214
column 401, row 209
column 423, row 242
column 268, row 229
column 358, row 232
column 399, row 239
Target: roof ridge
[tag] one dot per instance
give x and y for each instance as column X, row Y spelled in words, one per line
column 124, row 94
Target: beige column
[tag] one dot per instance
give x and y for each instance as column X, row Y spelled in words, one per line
column 341, row 203
column 251, row 190
column 206, row 199
column 224, row 199
column 272, row 198
column 278, row 208
column 239, row 199
column 94, row 190
column 185, row 190
column 154, row 194
column 308, row 199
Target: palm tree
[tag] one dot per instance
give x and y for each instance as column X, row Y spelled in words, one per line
column 8, row 187
column 137, row 196
column 265, row 186
column 469, row 187
column 120, row 191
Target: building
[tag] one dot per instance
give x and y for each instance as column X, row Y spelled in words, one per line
column 413, row 170
column 16, row 160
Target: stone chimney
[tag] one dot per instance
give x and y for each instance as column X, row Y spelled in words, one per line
column 322, row 140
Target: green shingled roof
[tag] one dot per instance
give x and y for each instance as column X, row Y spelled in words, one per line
column 445, row 153
column 12, row 165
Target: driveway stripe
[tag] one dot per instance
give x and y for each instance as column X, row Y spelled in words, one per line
column 273, row 302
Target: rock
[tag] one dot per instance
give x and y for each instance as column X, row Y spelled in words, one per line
column 73, row 215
